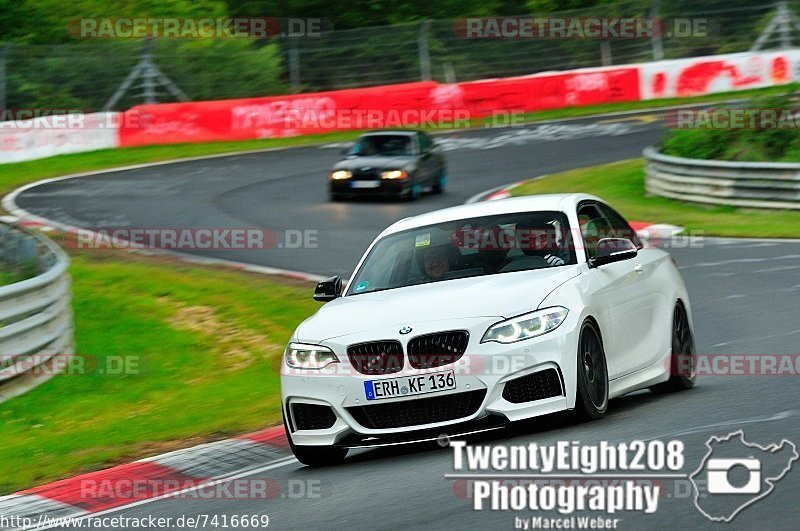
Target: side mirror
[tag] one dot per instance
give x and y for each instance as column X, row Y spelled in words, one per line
column 328, row 289
column 613, row 250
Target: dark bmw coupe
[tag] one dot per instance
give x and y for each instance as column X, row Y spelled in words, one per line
column 399, row 164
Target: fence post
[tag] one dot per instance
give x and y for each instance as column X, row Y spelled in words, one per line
column 424, row 52
column 148, row 76
column 3, row 52
column 294, row 69
column 605, row 53
column 658, row 30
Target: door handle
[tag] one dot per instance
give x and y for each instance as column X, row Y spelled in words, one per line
column 638, row 268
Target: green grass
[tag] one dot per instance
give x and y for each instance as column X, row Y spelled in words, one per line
column 208, row 343
column 10, row 275
column 622, row 185
column 20, row 173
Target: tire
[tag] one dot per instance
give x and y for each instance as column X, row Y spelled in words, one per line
column 683, row 359
column 591, row 401
column 335, row 197
column 441, row 182
column 415, row 192
column 316, row 456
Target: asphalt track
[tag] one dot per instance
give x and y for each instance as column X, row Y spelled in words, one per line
column 744, row 295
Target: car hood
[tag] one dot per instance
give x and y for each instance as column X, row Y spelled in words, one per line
column 392, row 163
column 501, row 295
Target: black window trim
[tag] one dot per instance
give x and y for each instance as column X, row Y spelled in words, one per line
column 601, row 206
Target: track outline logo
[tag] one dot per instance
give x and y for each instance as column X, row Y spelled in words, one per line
column 754, row 469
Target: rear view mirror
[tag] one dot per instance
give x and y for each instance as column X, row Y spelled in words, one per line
column 328, row 289
column 613, row 250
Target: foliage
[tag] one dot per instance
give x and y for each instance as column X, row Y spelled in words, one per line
column 772, row 144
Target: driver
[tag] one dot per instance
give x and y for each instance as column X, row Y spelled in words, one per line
column 435, row 262
column 538, row 238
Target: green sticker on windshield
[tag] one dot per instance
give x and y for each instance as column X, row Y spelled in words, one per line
column 423, row 240
column 361, row 286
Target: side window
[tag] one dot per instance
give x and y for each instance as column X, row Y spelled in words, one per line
column 620, row 226
column 424, row 142
column 594, row 227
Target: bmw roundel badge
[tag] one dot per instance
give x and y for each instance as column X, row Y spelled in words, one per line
column 406, row 330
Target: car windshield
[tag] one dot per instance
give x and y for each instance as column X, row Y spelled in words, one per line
column 465, row 248
column 383, row 145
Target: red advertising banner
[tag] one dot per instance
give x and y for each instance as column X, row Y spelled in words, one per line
column 270, row 117
column 550, row 91
column 405, row 105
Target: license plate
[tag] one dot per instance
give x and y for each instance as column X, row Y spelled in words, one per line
column 409, row 385
column 365, row 184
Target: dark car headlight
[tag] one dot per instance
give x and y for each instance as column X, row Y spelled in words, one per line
column 394, row 174
column 338, row 175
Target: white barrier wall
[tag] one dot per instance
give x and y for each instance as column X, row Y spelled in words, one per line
column 682, row 78
column 42, row 137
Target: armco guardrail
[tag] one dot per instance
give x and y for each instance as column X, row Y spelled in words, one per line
column 35, row 314
column 773, row 185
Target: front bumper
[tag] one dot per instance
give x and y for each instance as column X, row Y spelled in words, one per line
column 385, row 188
column 485, row 370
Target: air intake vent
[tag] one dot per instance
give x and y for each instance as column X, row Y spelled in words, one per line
column 312, row 416
column 435, row 350
column 377, row 357
column 536, row 386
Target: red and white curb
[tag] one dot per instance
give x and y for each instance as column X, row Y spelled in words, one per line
column 171, row 474
column 655, row 231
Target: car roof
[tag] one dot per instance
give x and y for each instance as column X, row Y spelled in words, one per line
column 391, row 132
column 528, row 203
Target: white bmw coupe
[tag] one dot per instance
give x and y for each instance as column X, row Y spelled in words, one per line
column 469, row 318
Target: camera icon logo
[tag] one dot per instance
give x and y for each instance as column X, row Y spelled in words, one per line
column 719, row 481
column 735, row 474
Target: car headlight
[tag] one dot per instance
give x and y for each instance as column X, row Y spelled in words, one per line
column 394, row 174
column 526, row 326
column 341, row 174
column 302, row 356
